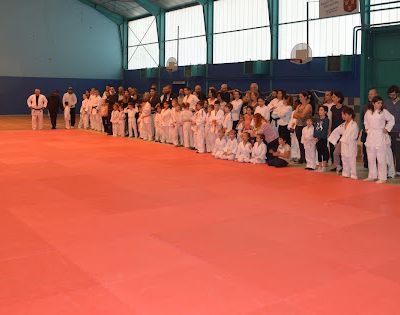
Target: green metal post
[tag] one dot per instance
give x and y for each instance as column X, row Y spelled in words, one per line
column 273, row 8
column 123, row 30
column 161, row 36
column 364, row 80
column 208, row 11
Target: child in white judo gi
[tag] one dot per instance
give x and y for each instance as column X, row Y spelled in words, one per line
column 158, row 124
column 348, row 134
column 175, row 130
column 294, row 143
column 378, row 123
column 244, row 148
column 186, row 118
column 115, row 119
column 227, row 122
column 309, row 142
column 132, row 126
column 166, row 121
column 199, row 119
column 84, row 113
column 67, row 115
column 230, row 147
column 259, row 151
column 219, row 145
column 209, row 132
column 121, row 122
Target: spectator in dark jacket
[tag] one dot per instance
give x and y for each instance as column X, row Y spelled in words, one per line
column 54, row 103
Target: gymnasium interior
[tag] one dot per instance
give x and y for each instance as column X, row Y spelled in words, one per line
column 93, row 224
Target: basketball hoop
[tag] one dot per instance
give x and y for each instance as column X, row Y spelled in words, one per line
column 301, row 54
column 297, row 61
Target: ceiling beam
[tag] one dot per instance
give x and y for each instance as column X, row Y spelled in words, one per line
column 150, row 7
column 112, row 16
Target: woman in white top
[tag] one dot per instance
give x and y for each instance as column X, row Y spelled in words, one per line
column 237, row 104
column 378, row 123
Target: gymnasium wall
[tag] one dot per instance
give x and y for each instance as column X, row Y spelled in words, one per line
column 53, row 44
column 293, row 78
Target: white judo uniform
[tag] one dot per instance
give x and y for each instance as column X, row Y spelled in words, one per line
column 146, row 120
column 258, row 153
column 158, row 126
column 186, row 118
column 230, row 149
column 348, row 140
column 132, row 126
column 218, row 148
column 192, row 100
column 175, row 130
column 84, row 114
column 199, row 119
column 95, row 102
column 67, row 116
column 227, row 123
column 243, row 152
column 294, row 147
column 37, row 110
column 208, row 131
column 115, row 122
column 121, row 124
column 166, row 121
column 307, row 139
column 376, row 143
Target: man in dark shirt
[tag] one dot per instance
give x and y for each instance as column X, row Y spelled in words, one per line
column 111, row 100
column 393, row 106
column 53, row 105
column 200, row 95
column 167, row 95
column 154, row 100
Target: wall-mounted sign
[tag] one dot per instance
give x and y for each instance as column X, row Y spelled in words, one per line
column 329, row 8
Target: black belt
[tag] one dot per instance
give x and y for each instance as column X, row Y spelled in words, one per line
column 275, row 120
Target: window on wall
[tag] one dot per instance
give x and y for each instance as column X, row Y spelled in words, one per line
column 328, row 36
column 143, row 49
column 384, row 11
column 241, row 31
column 191, row 48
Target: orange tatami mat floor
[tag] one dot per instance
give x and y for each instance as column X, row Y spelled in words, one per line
column 91, row 224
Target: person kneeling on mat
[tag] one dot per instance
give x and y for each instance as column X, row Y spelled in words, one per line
column 281, row 156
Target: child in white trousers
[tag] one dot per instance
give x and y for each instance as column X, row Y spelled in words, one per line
column 349, row 143
column 186, row 118
column 115, row 120
column 158, row 124
column 208, row 130
column 67, row 115
column 378, row 123
column 200, row 122
column 166, row 120
column 121, row 123
column 259, row 151
column 309, row 142
column 219, row 145
column 175, row 128
column 230, row 147
column 132, row 126
column 83, row 121
column 243, row 152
